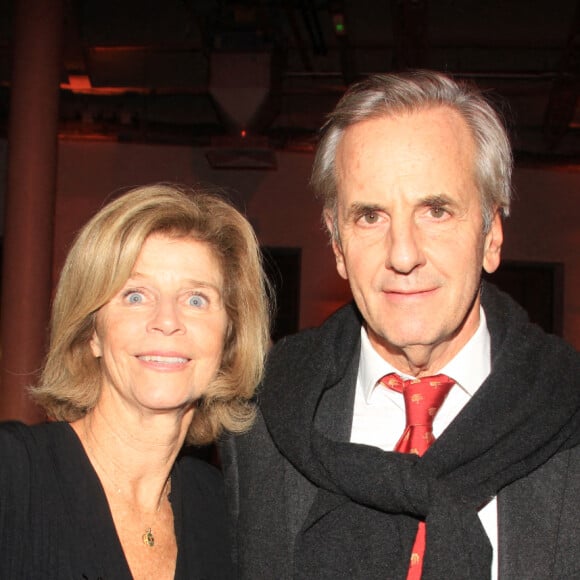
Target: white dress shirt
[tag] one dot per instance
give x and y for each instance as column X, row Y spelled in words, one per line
column 379, row 412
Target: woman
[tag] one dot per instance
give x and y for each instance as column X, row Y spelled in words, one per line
column 159, row 328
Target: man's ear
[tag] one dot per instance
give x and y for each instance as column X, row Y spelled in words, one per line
column 335, row 240
column 492, row 245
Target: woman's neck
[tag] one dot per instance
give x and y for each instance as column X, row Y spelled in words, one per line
column 133, row 460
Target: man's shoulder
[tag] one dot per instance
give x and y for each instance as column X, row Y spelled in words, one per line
column 511, row 329
column 342, row 326
column 540, row 517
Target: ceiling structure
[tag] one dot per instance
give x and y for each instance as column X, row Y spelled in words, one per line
column 260, row 75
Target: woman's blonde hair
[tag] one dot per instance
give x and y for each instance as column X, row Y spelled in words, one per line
column 101, row 261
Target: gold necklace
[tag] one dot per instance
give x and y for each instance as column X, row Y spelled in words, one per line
column 148, row 537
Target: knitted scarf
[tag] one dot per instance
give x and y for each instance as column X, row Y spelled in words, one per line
column 369, row 501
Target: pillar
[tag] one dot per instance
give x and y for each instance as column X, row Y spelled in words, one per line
column 29, row 206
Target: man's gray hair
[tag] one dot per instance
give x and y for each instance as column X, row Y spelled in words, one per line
column 390, row 94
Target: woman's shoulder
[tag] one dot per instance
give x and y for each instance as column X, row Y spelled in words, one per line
column 22, row 444
column 16, row 438
column 200, row 473
column 199, row 494
column 16, row 435
column 203, row 519
column 20, row 452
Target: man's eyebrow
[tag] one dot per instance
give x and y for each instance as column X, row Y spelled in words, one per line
column 436, row 199
column 358, row 208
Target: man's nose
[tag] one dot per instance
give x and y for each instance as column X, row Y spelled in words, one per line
column 404, row 246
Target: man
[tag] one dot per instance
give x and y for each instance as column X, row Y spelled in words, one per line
column 414, row 171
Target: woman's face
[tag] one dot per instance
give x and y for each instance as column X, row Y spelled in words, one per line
column 160, row 339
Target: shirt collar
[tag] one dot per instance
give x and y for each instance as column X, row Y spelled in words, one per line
column 469, row 368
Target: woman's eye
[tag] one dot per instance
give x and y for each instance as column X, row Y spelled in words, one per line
column 134, row 297
column 197, row 301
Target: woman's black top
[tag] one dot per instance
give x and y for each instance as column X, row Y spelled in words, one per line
column 55, row 521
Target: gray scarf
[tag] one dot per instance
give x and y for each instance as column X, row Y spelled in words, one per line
column 369, row 501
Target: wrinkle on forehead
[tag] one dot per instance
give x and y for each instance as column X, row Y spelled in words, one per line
column 367, row 143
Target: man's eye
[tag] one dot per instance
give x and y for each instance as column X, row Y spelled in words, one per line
column 197, row 301
column 438, row 212
column 370, row 217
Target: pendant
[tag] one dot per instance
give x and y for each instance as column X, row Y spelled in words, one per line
column 148, row 538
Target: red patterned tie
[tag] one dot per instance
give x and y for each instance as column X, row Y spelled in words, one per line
column 423, row 398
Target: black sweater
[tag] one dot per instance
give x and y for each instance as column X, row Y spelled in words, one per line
column 55, row 520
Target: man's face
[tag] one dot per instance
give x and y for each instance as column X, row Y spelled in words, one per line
column 411, row 234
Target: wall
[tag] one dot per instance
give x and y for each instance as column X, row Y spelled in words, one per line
column 545, row 227
column 545, row 222
column 278, row 203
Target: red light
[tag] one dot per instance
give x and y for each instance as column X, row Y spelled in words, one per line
column 243, row 133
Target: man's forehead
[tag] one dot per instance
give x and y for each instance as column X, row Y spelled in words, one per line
column 433, row 141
